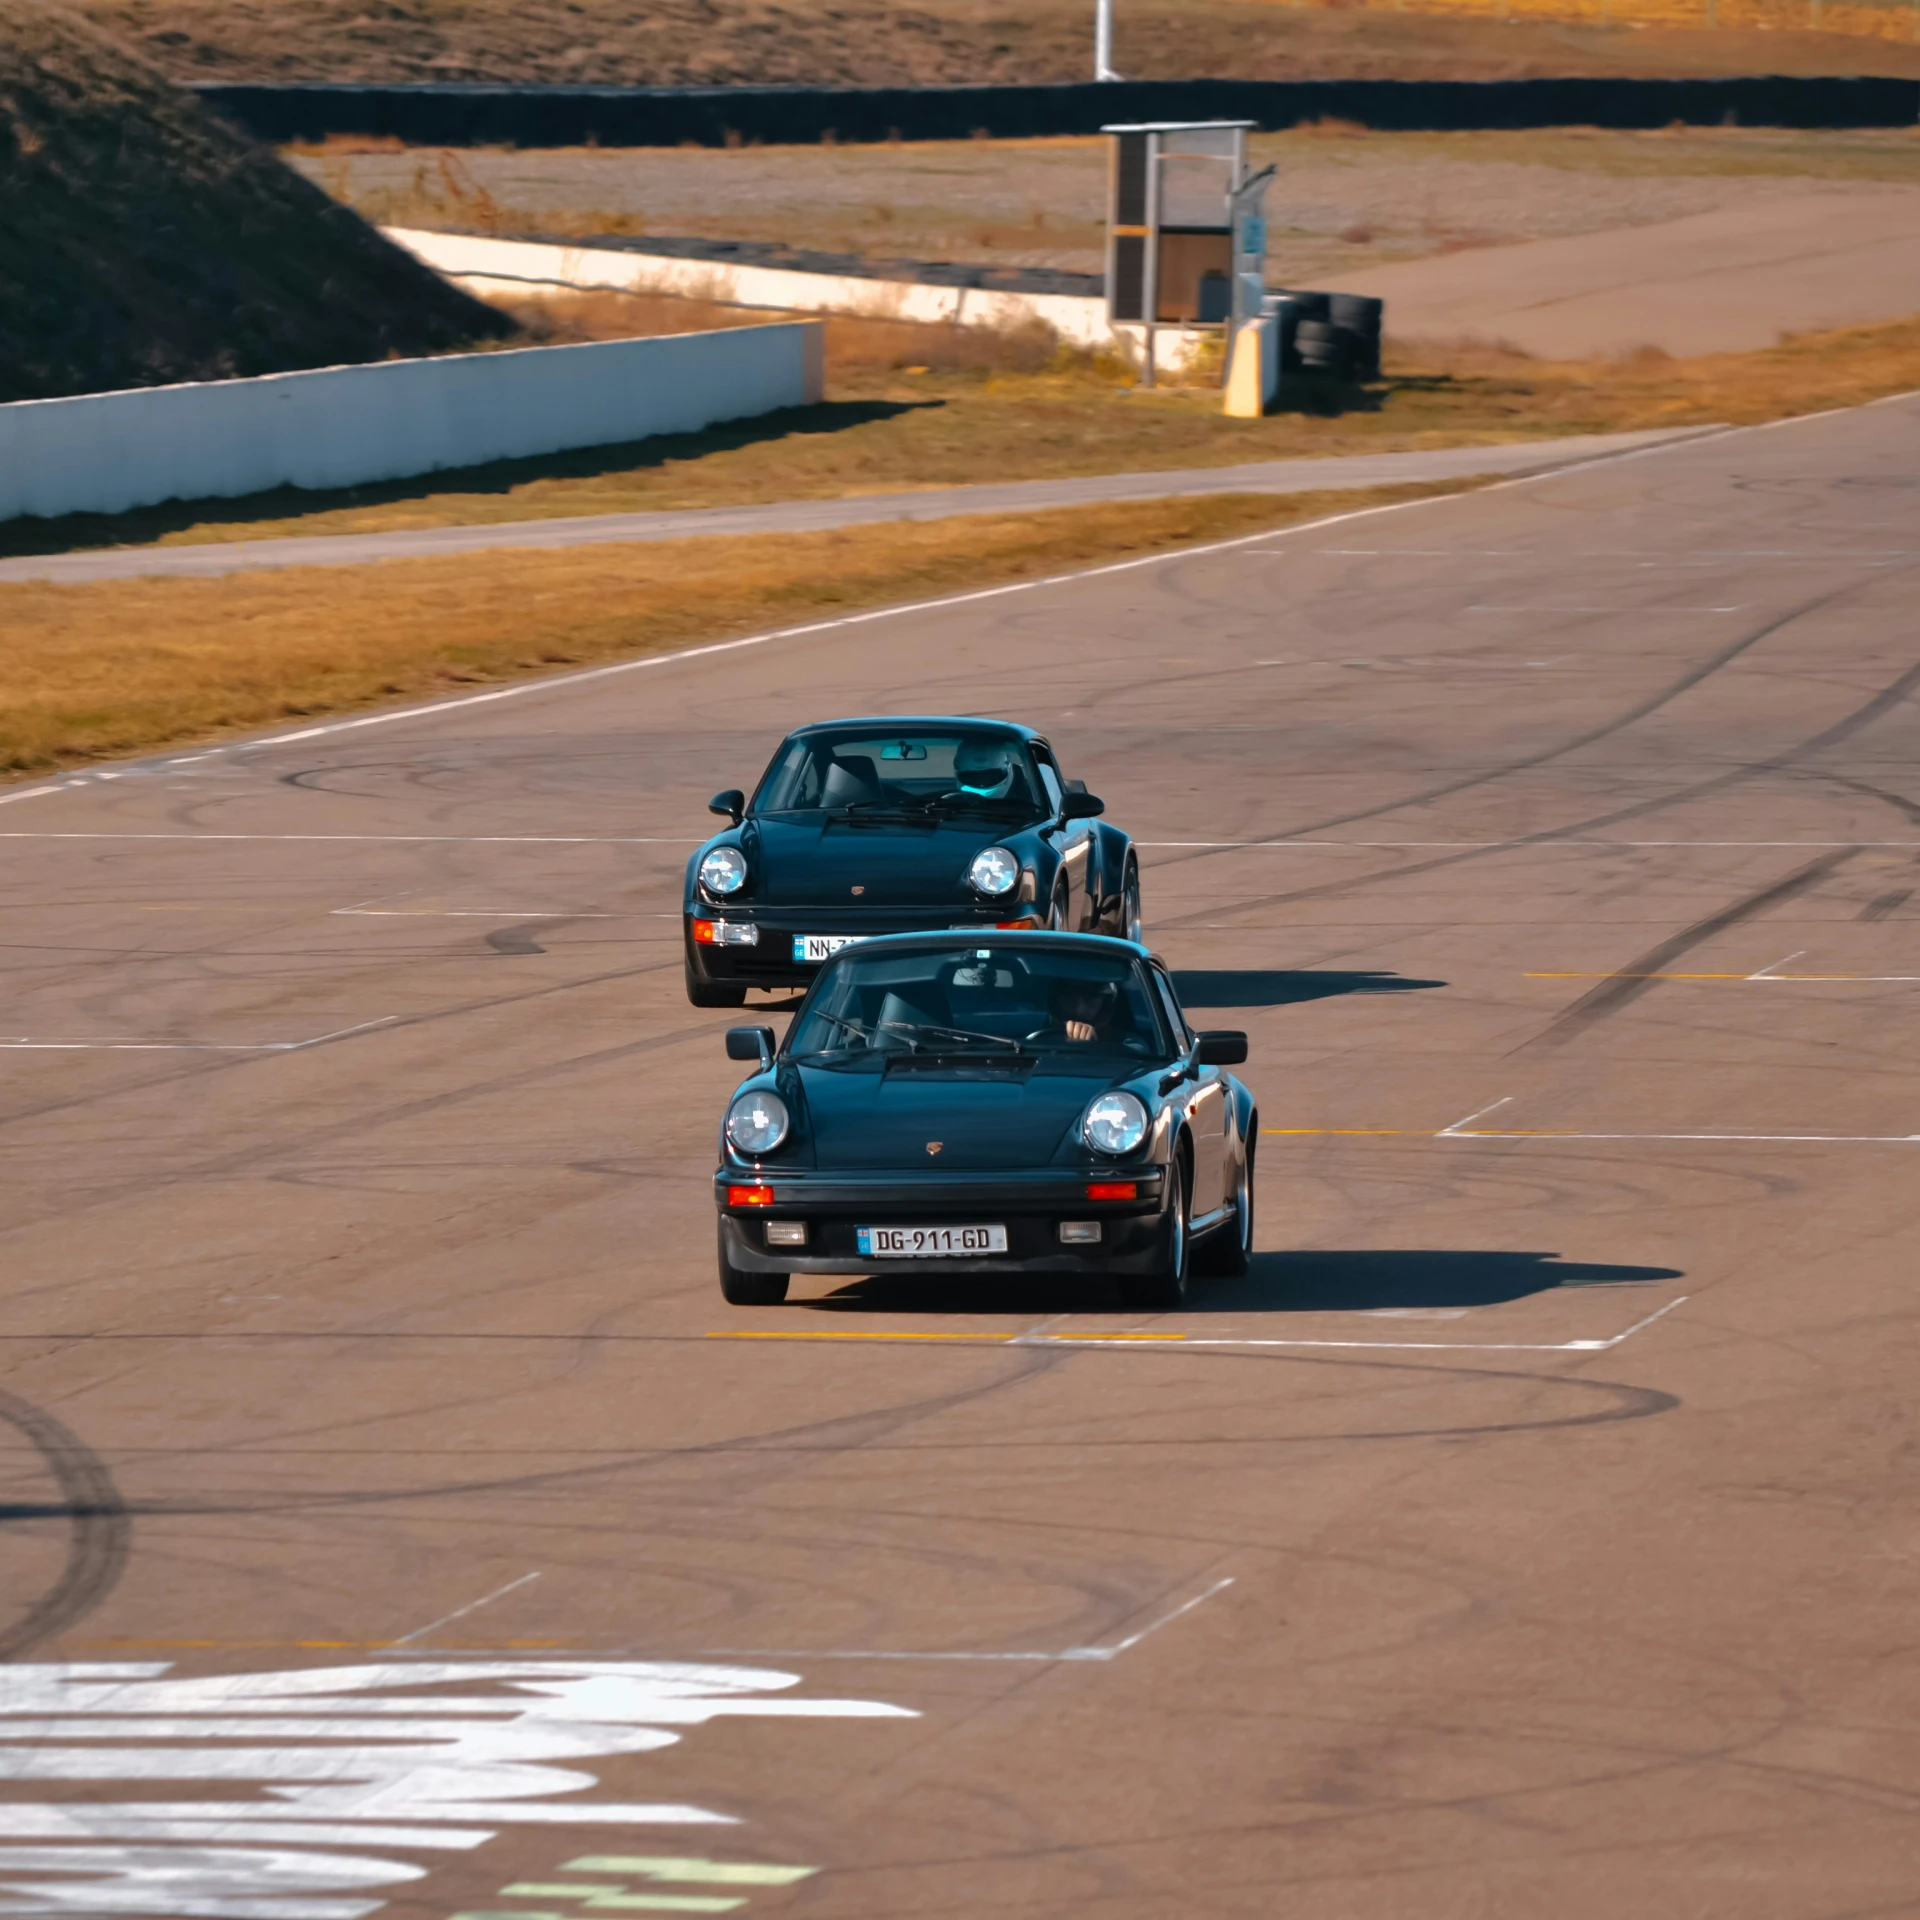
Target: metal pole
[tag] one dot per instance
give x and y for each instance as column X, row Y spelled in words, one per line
column 1103, row 41
column 1150, row 303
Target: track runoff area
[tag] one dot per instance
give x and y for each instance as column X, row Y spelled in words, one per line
column 398, row 1521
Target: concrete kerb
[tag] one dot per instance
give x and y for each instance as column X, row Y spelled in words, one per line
column 495, row 269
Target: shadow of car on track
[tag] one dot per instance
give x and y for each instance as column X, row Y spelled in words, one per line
column 1408, row 1278
column 1275, row 987
column 1397, row 1279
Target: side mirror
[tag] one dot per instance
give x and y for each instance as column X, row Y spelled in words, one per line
column 756, row 1043
column 1082, row 806
column 733, row 803
column 1221, row 1048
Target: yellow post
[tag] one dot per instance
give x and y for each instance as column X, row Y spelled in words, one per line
column 1246, row 376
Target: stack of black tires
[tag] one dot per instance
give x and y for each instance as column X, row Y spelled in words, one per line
column 1334, row 334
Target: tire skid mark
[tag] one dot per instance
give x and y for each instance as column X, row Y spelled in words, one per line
column 1642, row 710
column 774, row 1455
column 1622, row 988
column 101, row 1522
column 1883, row 702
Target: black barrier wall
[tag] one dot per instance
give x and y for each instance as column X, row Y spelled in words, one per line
column 725, row 116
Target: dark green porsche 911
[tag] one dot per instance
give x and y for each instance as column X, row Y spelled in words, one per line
column 992, row 1103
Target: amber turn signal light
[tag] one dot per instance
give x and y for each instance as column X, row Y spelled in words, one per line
column 749, row 1196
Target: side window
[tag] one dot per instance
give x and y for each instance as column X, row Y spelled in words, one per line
column 1182, row 1033
column 1051, row 781
column 1049, row 774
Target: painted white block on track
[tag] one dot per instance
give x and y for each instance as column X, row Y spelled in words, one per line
column 350, row 426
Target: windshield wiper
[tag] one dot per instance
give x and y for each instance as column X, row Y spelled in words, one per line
column 967, row 1033
column 845, row 1025
column 975, row 802
column 873, row 810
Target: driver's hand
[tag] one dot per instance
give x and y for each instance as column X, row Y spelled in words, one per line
column 1079, row 1030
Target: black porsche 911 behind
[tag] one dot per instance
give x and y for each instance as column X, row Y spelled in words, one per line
column 1001, row 1102
column 864, row 827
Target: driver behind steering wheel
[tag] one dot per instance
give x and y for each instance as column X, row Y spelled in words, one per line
column 1086, row 1010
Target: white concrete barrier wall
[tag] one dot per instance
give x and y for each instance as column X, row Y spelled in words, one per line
column 500, row 269
column 349, row 426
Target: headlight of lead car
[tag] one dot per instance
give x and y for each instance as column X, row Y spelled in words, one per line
column 994, row 873
column 724, row 870
column 757, row 1122
column 1114, row 1123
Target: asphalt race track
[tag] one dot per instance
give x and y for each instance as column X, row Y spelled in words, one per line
column 394, row 1512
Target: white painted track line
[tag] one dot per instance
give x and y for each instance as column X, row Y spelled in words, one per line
column 1111, row 1650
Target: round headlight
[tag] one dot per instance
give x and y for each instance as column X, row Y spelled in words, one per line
column 994, row 873
column 724, row 870
column 1114, row 1123
column 757, row 1122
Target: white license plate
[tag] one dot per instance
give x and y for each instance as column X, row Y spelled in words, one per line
column 928, row 1243
column 823, row 946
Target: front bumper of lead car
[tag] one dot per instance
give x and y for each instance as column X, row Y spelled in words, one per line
column 1030, row 1205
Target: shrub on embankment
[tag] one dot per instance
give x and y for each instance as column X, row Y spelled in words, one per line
column 144, row 241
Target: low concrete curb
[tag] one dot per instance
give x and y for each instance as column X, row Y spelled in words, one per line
column 811, row 516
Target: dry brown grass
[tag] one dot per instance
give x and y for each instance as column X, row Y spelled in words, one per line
column 938, row 42
column 88, row 672
column 1807, row 373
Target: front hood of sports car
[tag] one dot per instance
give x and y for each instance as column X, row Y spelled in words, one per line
column 979, row 1114
column 815, row 862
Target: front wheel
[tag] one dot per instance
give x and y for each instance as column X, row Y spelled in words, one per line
column 1057, row 909
column 1228, row 1251
column 1166, row 1288
column 743, row 1289
column 1131, row 925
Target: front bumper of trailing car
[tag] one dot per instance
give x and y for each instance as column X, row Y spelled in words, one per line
column 750, row 946
column 1030, row 1204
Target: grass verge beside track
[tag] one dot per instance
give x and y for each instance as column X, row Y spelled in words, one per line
column 125, row 667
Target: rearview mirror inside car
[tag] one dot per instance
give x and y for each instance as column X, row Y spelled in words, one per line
column 756, row 1043
column 1222, row 1048
column 1082, row 806
column 733, row 803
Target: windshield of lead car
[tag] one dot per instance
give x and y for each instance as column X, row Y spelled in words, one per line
column 867, row 773
column 1064, row 1005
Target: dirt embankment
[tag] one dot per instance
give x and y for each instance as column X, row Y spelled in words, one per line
column 143, row 241
column 934, row 43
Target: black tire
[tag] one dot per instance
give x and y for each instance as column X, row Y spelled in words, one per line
column 1307, row 304
column 1132, row 927
column 1324, row 347
column 1165, row 1290
column 1057, row 909
column 703, row 993
column 749, row 1289
column 1226, row 1252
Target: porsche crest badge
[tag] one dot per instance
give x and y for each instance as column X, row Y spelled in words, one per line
column 859, row 889
column 934, row 1146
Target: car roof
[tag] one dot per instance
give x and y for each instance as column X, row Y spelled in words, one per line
column 973, row 722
